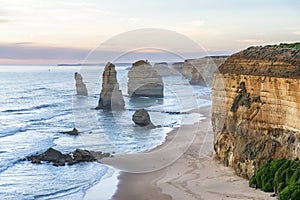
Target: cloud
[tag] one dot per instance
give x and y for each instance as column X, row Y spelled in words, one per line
column 31, row 51
column 134, row 19
column 296, row 32
column 196, row 23
column 249, row 41
column 3, row 20
column 259, row 34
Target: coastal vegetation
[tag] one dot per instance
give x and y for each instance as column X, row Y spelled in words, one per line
column 280, row 176
column 295, row 45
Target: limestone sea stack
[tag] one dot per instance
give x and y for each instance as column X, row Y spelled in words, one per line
column 256, row 107
column 143, row 80
column 80, row 86
column 111, row 97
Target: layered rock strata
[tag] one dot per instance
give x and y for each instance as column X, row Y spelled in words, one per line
column 111, row 97
column 256, row 108
column 80, row 86
column 143, row 80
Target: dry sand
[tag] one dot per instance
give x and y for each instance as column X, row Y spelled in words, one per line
column 194, row 176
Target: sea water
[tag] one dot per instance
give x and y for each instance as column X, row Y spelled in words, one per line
column 38, row 102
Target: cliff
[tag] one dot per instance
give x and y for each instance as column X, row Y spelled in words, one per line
column 256, row 108
column 111, row 97
column 200, row 71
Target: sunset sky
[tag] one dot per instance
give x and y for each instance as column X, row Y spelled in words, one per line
column 49, row 32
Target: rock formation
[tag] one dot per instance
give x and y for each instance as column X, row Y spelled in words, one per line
column 80, row 86
column 111, row 97
column 200, row 71
column 256, row 108
column 143, row 80
column 59, row 159
column 142, row 118
column 164, row 70
column 177, row 66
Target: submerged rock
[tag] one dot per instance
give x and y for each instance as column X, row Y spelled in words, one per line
column 111, row 97
column 143, row 80
column 142, row 118
column 80, row 86
column 72, row 132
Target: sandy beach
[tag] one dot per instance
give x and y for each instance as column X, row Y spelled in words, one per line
column 196, row 175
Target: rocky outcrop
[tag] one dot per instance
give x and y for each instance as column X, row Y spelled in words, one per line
column 143, row 80
column 256, row 108
column 59, row 159
column 200, row 71
column 80, row 86
column 111, row 97
column 142, row 118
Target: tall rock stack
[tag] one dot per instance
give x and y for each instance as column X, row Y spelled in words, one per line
column 111, row 97
column 143, row 80
column 80, row 86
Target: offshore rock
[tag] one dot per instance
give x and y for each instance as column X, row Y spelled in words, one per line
column 111, row 97
column 59, row 159
column 80, row 86
column 256, row 108
column 142, row 118
column 143, row 80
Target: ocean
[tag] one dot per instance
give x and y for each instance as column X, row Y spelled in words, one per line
column 38, row 102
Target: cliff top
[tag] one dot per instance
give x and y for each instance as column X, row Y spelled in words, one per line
column 281, row 60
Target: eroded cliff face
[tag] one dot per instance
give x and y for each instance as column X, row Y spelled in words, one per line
column 256, row 108
column 200, row 71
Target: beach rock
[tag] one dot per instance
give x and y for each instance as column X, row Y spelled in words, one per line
column 72, row 132
column 143, row 80
column 142, row 118
column 80, row 86
column 111, row 97
column 59, row 159
column 82, row 156
column 256, row 108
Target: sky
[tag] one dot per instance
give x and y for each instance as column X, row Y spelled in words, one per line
column 56, row 31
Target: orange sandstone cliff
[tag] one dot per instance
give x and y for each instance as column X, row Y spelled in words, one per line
column 256, row 108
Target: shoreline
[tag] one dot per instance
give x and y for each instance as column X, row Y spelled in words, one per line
column 196, row 175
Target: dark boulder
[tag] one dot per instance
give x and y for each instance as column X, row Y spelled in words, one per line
column 80, row 155
column 142, row 118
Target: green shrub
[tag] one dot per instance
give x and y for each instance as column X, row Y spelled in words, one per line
column 283, row 175
column 291, row 192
